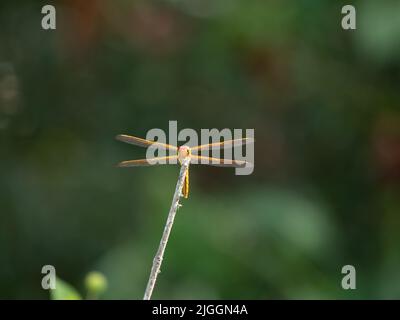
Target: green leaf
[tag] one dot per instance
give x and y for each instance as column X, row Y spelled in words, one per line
column 64, row 291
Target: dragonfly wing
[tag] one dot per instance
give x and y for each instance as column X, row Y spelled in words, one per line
column 224, row 144
column 218, row 162
column 148, row 162
column 143, row 142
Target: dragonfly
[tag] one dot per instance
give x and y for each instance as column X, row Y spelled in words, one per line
column 182, row 153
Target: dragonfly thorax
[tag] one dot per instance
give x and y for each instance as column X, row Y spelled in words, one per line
column 183, row 153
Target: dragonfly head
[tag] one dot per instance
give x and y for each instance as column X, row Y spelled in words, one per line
column 183, row 152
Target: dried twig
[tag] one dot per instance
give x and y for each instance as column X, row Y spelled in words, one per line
column 155, row 270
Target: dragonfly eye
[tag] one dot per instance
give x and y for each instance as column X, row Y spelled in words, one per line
column 184, row 151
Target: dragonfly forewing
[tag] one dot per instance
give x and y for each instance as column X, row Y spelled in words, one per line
column 143, row 142
column 223, row 145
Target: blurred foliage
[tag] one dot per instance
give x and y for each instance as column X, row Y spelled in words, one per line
column 64, row 291
column 324, row 104
column 95, row 285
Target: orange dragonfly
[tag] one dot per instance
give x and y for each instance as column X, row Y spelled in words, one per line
column 182, row 153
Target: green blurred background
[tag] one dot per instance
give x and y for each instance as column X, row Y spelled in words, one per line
column 324, row 104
